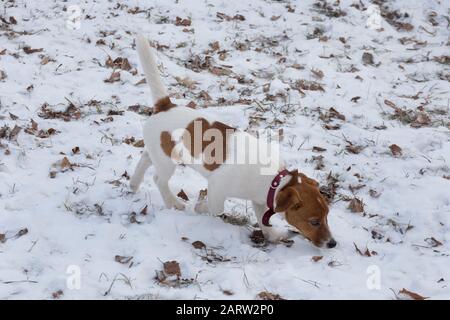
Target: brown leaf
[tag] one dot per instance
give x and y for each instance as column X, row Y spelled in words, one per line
column 433, row 242
column 215, row 46
column 265, row 295
column 390, row 103
column 183, row 195
column 65, row 163
column 227, row 292
column 172, row 268
column 421, row 120
column 412, row 295
column 198, row 244
column 139, row 143
column 354, row 148
column 28, row 50
column 317, row 258
column 14, row 132
column 191, row 105
column 396, row 150
column 122, row 259
column 356, row 205
column 355, row 99
column 318, row 149
column 182, row 22
column 75, row 150
column 219, row 71
column 57, row 294
column 274, row 18
column 367, row 58
column 2, row 238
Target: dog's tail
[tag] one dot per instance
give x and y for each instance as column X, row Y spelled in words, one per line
column 148, row 62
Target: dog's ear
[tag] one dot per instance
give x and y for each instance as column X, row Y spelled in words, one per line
column 287, row 198
column 309, row 181
column 294, row 180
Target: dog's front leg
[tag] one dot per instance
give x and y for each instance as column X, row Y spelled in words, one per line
column 270, row 233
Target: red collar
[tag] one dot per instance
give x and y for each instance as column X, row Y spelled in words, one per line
column 271, row 197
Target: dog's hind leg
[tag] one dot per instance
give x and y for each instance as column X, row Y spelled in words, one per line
column 162, row 175
column 139, row 172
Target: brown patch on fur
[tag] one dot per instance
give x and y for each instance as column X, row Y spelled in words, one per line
column 305, row 208
column 163, row 104
column 196, row 142
column 167, row 144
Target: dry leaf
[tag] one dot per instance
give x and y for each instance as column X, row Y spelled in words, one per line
column 367, row 58
column 412, row 295
column 172, row 268
column 433, row 242
column 182, row 22
column 265, row 295
column 356, row 205
column 198, row 244
column 396, row 150
column 227, row 292
column 183, row 195
column 317, row 258
column 28, row 50
column 65, row 163
column 57, row 294
column 215, row 46
column 122, row 259
column 318, row 149
column 2, row 238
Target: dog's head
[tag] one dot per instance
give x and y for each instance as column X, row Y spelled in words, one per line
column 306, row 209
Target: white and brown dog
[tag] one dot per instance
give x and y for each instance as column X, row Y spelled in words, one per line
column 181, row 135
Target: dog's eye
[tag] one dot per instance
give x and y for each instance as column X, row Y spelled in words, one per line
column 297, row 206
column 314, row 222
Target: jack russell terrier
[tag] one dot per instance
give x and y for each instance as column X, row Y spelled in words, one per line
column 181, row 135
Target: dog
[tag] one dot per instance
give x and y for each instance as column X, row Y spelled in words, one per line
column 181, row 135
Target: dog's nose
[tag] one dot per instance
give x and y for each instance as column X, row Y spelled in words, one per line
column 331, row 244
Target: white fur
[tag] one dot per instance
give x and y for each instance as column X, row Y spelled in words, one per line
column 148, row 63
column 243, row 181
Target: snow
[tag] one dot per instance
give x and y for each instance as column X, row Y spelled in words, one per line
column 84, row 217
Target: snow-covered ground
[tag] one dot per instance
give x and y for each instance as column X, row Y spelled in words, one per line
column 383, row 148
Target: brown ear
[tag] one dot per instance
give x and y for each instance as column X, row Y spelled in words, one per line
column 286, row 198
column 307, row 180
